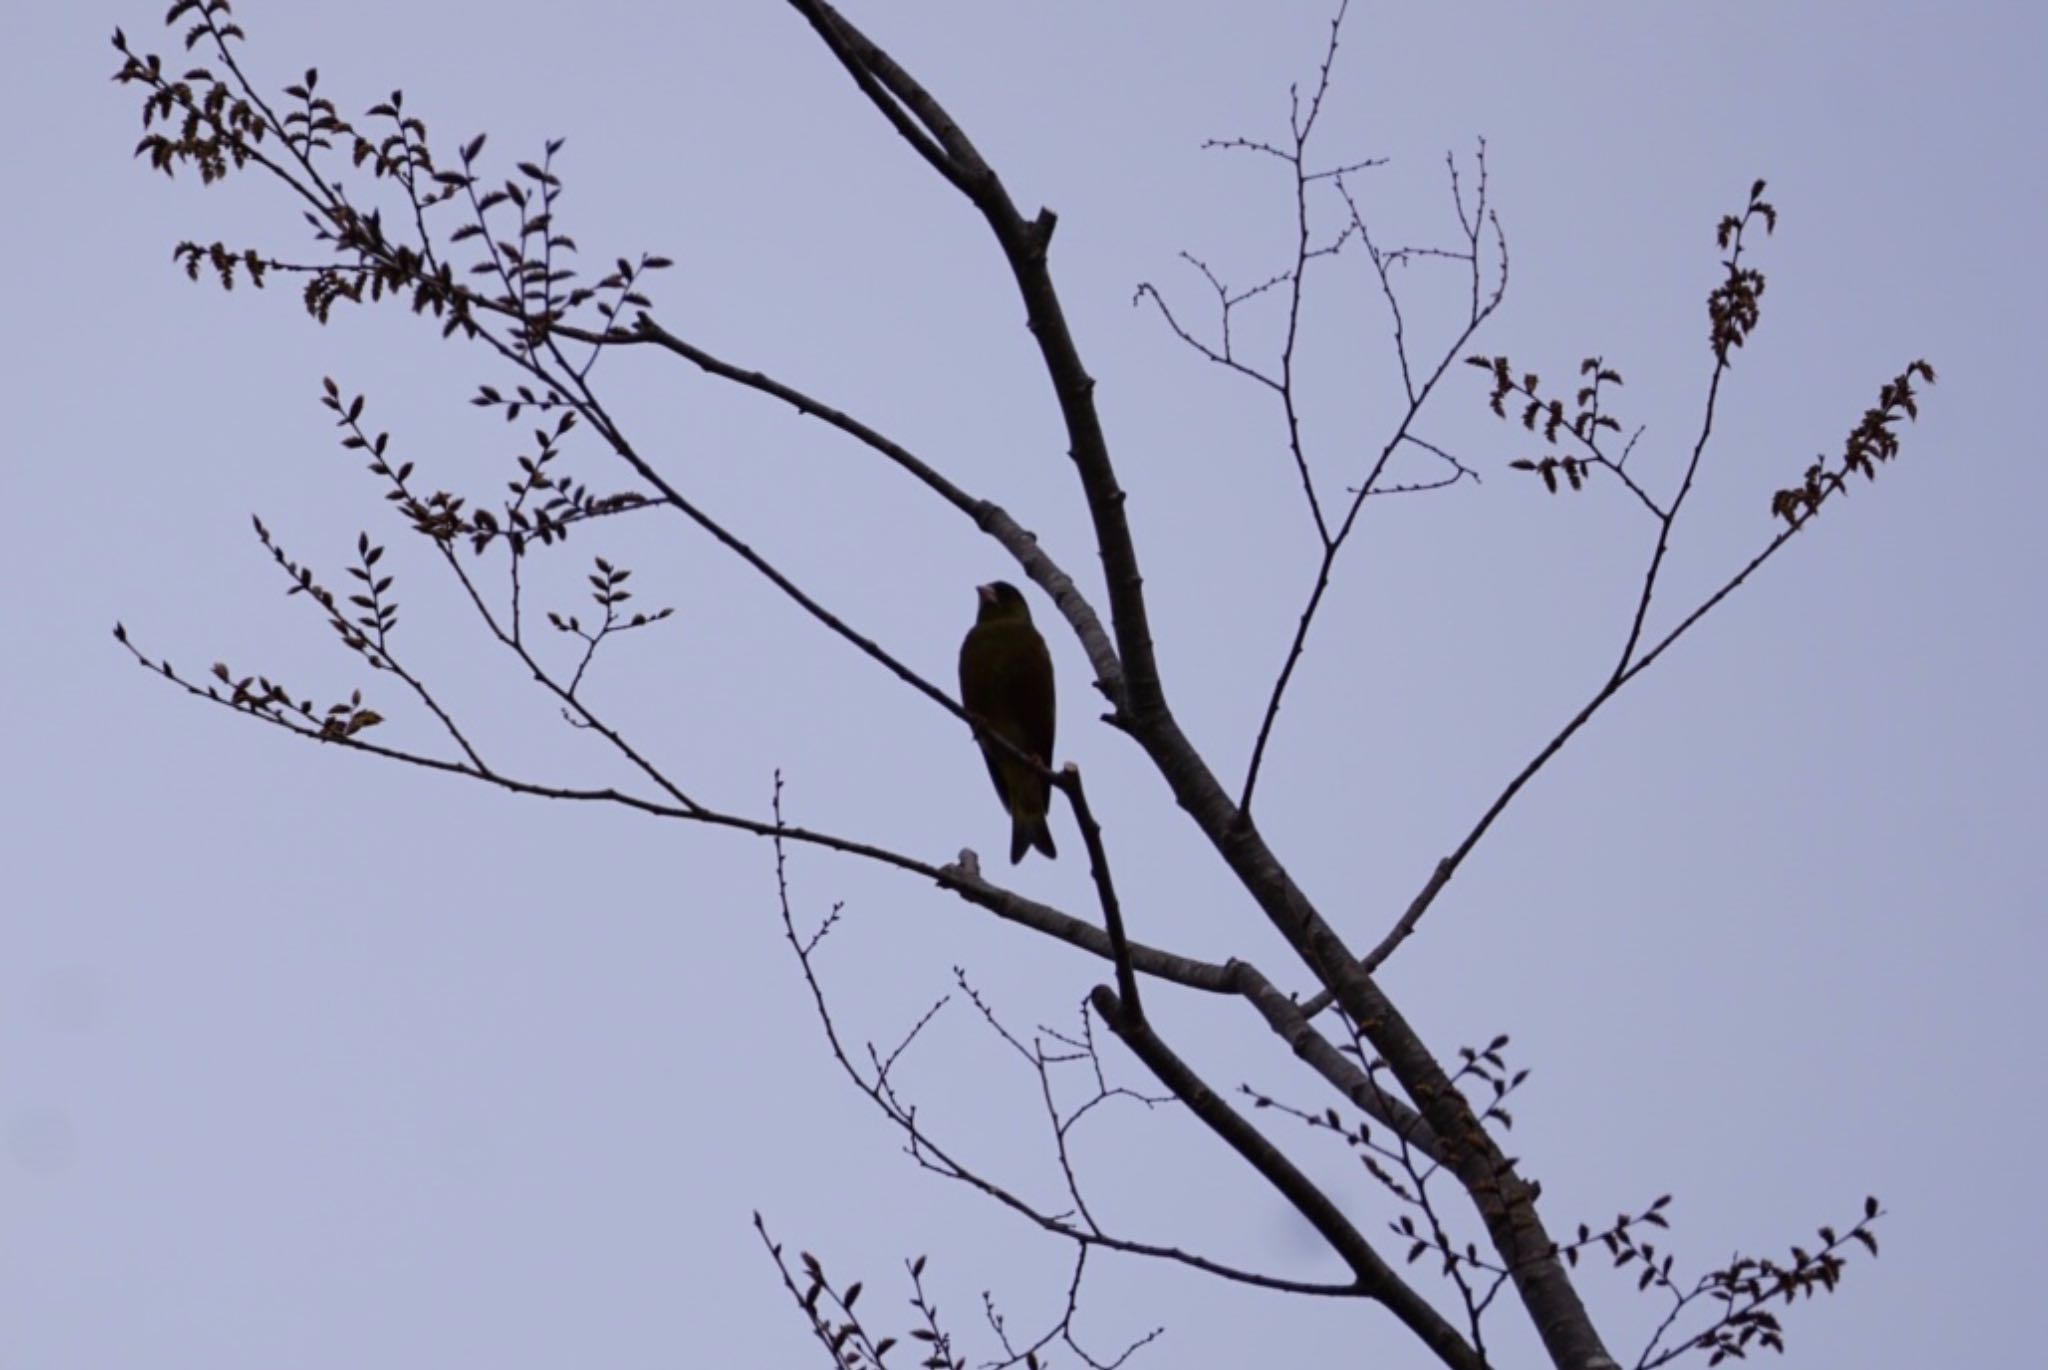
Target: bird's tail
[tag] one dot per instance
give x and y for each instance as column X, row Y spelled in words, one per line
column 1028, row 831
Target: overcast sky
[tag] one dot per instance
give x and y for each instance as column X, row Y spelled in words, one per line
column 312, row 1061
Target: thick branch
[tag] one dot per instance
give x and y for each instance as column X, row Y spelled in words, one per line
column 1286, row 1019
column 1375, row 1277
column 924, row 122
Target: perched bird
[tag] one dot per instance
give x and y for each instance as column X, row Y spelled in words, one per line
column 1006, row 682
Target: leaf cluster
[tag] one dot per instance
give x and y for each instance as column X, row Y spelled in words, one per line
column 830, row 1312
column 1733, row 307
column 1546, row 415
column 1874, row 439
column 217, row 123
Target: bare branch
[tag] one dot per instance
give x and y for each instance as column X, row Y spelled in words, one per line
column 1069, row 781
column 1482, row 309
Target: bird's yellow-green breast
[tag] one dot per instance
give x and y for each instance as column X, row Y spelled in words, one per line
column 1006, row 682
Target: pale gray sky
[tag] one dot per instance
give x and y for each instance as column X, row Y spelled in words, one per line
column 308, row 1061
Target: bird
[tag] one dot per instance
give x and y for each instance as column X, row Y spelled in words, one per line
column 1006, row 683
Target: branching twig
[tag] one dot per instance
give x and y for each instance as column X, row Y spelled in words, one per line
column 1733, row 312
column 874, row 1081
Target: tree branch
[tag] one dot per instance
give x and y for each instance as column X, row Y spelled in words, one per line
column 1505, row 1203
column 962, row 877
column 925, row 124
column 1376, row 1279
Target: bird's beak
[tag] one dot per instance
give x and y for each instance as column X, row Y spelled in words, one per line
column 985, row 593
